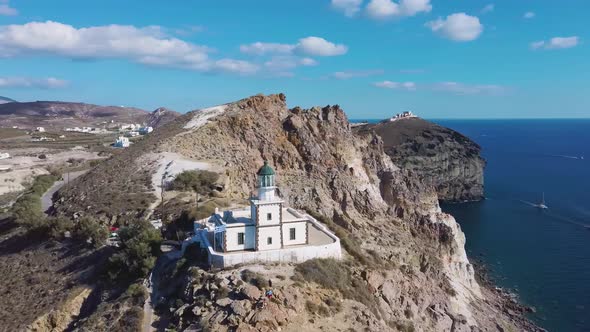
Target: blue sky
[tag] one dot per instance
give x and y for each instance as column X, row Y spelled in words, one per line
column 441, row 59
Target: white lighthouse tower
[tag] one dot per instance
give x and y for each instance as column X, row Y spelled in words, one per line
column 266, row 183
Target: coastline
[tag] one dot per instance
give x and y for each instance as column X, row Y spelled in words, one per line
column 504, row 300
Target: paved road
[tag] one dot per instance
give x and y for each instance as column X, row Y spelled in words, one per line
column 47, row 198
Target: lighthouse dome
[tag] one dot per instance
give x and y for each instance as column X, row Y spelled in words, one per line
column 265, row 170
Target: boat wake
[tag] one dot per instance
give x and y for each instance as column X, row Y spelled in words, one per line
column 529, row 203
column 567, row 157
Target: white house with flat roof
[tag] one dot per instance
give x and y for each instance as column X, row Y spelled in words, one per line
column 265, row 231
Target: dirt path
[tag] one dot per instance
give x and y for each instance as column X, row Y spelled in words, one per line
column 152, row 287
column 47, row 198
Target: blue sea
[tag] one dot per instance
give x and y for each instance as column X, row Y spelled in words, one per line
column 543, row 255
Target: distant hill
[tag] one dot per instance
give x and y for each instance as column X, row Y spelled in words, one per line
column 4, row 100
column 57, row 114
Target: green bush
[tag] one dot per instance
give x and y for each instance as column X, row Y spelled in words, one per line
column 195, row 180
column 27, row 210
column 58, row 226
column 140, row 245
column 254, row 278
column 89, row 229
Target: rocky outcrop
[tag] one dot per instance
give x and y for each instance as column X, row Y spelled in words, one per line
column 387, row 214
column 441, row 157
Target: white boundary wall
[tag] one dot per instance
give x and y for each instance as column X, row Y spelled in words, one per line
column 297, row 254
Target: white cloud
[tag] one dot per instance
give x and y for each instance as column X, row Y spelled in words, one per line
column 348, row 7
column 396, row 85
column 23, row 82
column 384, row 9
column 470, row 89
column 313, row 46
column 488, row 8
column 280, row 63
column 529, row 15
column 344, row 75
column 308, row 62
column 320, row 47
column 6, row 10
column 259, row 48
column 149, row 46
column 458, row 27
column 556, row 43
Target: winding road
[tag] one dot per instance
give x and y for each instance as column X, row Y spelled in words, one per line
column 47, row 198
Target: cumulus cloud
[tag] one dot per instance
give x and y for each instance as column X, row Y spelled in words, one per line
column 320, row 47
column 259, row 48
column 149, row 46
column 529, row 15
column 488, row 8
column 345, row 75
column 6, row 10
column 348, row 7
column 458, row 27
column 23, row 82
column 312, row 46
column 470, row 89
column 410, row 86
column 556, row 43
column 384, row 9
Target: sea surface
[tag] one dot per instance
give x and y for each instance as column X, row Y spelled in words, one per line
column 543, row 255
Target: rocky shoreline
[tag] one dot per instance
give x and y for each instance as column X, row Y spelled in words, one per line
column 504, row 299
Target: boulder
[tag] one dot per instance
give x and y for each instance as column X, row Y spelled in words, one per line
column 241, row 308
column 251, row 292
column 224, row 302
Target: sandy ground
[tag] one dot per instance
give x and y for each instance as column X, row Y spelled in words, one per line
column 169, row 165
column 25, row 164
column 201, row 117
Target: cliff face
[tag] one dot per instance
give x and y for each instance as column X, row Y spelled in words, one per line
column 405, row 252
column 442, row 157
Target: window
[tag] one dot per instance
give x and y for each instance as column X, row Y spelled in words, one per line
column 240, row 238
column 269, row 216
column 291, row 233
column 269, row 240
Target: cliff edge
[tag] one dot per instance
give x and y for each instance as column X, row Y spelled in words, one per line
column 440, row 156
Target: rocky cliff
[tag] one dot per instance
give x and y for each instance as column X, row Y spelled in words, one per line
column 441, row 157
column 404, row 253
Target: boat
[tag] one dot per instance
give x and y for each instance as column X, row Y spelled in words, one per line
column 542, row 204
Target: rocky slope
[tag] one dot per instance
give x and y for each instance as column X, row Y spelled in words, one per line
column 63, row 114
column 442, row 157
column 404, row 252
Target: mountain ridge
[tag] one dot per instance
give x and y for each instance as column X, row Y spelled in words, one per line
column 59, row 114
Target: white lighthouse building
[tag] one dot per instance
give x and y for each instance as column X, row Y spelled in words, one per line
column 268, row 225
column 266, row 231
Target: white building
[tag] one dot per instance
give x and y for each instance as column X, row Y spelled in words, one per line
column 145, row 130
column 4, row 155
column 122, row 142
column 40, row 129
column 132, row 134
column 266, row 231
